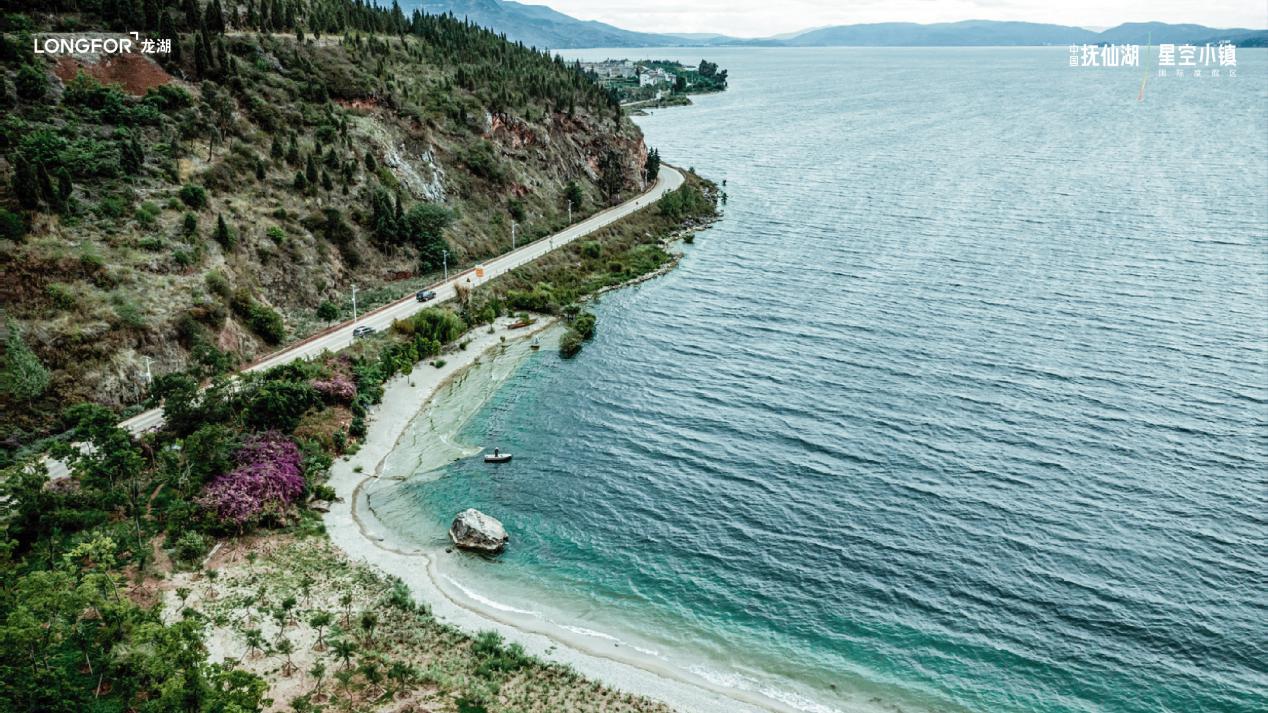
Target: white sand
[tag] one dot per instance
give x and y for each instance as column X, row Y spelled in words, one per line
column 353, row 530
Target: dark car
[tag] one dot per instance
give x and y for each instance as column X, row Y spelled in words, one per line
column 362, row 332
column 425, row 295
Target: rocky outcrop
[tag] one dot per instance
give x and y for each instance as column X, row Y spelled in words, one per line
column 473, row 530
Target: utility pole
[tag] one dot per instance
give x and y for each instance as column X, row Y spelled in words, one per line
column 354, row 304
column 149, row 378
column 514, row 225
column 569, row 212
column 444, row 258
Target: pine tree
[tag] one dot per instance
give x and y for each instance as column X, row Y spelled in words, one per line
column 310, row 170
column 214, row 17
column 652, row 166
column 64, row 185
column 202, row 59
column 190, row 8
column 132, row 156
column 48, row 192
column 222, row 234
column 25, row 185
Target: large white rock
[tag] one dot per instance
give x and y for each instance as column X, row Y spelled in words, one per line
column 473, row 530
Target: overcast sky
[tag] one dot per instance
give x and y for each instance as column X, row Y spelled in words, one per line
column 760, row 18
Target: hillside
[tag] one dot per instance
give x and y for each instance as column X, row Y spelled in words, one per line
column 195, row 210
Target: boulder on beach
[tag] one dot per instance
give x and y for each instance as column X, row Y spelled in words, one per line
column 473, row 530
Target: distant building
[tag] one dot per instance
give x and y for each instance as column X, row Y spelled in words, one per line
column 650, row 77
column 611, row 69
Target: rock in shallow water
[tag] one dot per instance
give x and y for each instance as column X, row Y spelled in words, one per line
column 473, row 530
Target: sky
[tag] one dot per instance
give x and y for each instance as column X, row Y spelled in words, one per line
column 762, row 18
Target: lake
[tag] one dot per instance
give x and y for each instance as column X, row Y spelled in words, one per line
column 963, row 406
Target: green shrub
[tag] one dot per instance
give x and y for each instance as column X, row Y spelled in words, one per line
column 218, row 284
column 112, row 207
column 584, row 323
column 481, row 159
column 194, row 196
column 570, row 344
column 129, row 312
column 62, row 295
column 262, row 319
column 328, row 311
column 146, row 213
column 12, row 225
column 23, row 376
column 591, row 249
column 190, row 547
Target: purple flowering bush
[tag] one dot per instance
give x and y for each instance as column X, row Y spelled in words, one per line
column 338, row 388
column 268, row 477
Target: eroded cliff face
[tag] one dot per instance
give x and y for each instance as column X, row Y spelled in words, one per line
column 137, row 266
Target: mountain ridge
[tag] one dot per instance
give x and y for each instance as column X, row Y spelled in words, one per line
column 541, row 26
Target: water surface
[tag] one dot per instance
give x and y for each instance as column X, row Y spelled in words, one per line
column 961, row 407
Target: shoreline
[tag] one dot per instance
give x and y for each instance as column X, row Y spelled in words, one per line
column 363, row 538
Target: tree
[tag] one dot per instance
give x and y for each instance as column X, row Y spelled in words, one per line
column 369, row 622
column 64, row 185
column 344, row 650
column 223, row 235
column 327, row 311
column 424, row 225
column 24, row 378
column 611, row 174
column 320, row 620
column 286, row 648
column 131, row 155
column 574, row 195
column 31, row 83
column 652, row 165
column 25, row 184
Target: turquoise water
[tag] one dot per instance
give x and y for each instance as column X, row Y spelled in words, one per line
column 963, row 406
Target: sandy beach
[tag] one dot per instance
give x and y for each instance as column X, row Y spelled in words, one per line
column 353, row 529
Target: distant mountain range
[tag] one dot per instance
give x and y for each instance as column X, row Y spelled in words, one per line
column 540, row 26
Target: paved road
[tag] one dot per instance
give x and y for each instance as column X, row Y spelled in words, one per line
column 340, row 336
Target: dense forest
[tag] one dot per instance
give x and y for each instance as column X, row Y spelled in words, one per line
column 195, row 209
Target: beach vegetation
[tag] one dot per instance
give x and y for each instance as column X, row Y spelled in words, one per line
column 570, row 343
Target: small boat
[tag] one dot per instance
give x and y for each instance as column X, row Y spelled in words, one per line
column 497, row 456
column 535, row 345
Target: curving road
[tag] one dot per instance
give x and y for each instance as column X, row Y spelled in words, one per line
column 340, row 336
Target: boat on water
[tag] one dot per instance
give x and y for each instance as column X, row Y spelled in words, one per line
column 535, row 345
column 497, row 456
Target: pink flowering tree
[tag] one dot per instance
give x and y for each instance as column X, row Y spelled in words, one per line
column 337, row 388
column 268, row 478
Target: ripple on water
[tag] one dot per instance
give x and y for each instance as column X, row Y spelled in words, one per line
column 961, row 407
